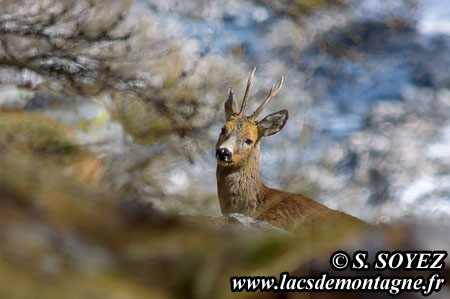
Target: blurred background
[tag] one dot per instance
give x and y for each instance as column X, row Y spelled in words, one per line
column 110, row 110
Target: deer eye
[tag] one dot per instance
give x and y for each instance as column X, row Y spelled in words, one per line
column 248, row 141
column 223, row 131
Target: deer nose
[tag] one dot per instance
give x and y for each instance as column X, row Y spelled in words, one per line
column 224, row 154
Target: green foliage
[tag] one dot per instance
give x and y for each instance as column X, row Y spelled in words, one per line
column 41, row 137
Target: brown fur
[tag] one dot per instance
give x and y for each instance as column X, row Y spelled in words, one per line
column 240, row 190
column 239, row 187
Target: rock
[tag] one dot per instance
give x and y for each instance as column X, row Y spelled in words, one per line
column 12, row 97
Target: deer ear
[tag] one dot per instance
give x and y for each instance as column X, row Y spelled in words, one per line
column 273, row 123
column 230, row 105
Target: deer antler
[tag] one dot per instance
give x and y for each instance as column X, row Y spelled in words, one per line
column 245, row 100
column 271, row 95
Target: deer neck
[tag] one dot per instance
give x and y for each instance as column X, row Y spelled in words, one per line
column 240, row 189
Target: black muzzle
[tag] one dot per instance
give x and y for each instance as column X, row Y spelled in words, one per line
column 224, row 155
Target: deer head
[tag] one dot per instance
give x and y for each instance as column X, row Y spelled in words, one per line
column 240, row 136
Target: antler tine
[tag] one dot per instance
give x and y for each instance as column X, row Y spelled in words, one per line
column 247, row 90
column 271, row 95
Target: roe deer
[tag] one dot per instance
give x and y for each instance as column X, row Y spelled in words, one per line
column 239, row 187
